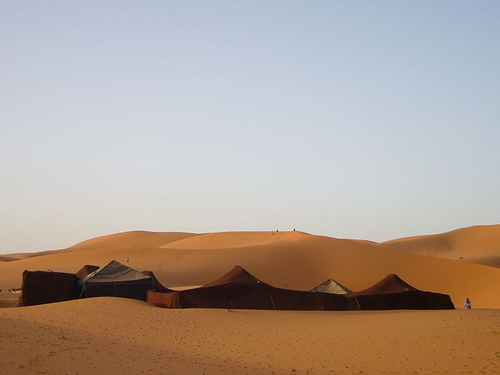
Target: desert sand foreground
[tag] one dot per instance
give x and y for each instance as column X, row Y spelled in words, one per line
column 119, row 336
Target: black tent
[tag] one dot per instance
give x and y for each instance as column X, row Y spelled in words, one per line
column 393, row 293
column 238, row 289
column 41, row 287
column 117, row 280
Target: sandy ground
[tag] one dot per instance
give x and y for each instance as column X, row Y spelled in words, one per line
column 116, row 336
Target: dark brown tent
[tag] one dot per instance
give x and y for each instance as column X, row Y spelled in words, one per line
column 86, row 270
column 41, row 287
column 116, row 280
column 393, row 293
column 157, row 286
column 238, row 289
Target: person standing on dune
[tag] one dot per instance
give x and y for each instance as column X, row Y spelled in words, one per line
column 467, row 304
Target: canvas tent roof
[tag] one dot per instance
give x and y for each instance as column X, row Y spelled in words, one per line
column 238, row 275
column 117, row 280
column 114, row 272
column 390, row 284
column 86, row 270
column 331, row 286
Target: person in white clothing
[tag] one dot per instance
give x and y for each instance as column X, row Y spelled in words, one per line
column 467, row 304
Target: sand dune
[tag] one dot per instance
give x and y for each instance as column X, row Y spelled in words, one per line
column 116, row 336
column 132, row 239
column 16, row 256
column 478, row 244
column 6, row 258
column 291, row 260
column 124, row 240
column 234, row 240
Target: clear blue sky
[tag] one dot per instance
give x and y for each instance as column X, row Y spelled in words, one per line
column 353, row 119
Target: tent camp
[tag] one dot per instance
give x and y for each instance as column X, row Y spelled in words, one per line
column 331, row 286
column 41, row 287
column 238, row 289
column 116, row 280
column 393, row 293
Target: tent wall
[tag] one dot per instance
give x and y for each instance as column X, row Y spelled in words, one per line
column 41, row 287
column 256, row 296
column 132, row 289
column 415, row 300
column 245, row 298
column 165, row 300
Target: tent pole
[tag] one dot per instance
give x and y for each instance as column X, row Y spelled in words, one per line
column 357, row 302
column 273, row 302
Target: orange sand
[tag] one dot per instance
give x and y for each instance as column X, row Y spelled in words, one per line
column 118, row 336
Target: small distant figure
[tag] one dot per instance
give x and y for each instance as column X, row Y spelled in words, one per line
column 277, row 231
column 294, row 229
column 128, row 259
column 467, row 304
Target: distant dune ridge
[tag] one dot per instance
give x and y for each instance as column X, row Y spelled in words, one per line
column 478, row 244
column 6, row 259
column 290, row 259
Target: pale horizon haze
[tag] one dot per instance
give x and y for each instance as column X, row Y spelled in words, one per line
column 353, row 119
